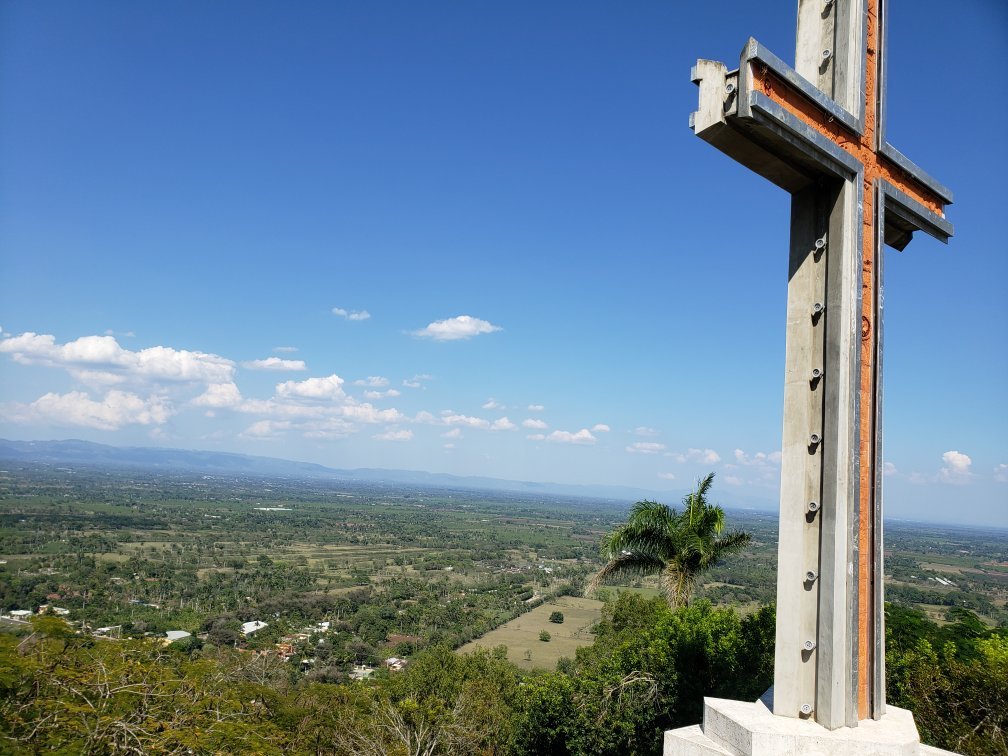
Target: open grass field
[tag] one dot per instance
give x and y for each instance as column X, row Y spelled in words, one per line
column 521, row 635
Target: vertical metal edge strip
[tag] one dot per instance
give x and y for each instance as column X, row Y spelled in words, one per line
column 854, row 484
column 863, row 75
column 880, row 74
column 848, row 12
column 878, row 575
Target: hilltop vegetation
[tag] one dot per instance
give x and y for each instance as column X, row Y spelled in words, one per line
column 343, row 579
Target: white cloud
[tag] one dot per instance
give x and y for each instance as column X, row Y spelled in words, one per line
column 534, row 424
column 645, row 447
column 417, row 381
column 460, row 327
column 275, row 363
column 758, row 459
column 330, row 387
column 502, row 424
column 731, row 480
column 643, row 430
column 449, row 446
column 704, row 456
column 265, row 429
column 956, row 469
column 351, row 314
column 536, row 408
column 285, row 407
column 600, row 428
column 582, row 436
column 98, row 378
column 326, row 428
column 394, row 435
column 366, row 413
column 1001, row 473
column 492, row 403
column 888, row 468
column 285, row 349
column 114, row 411
column 666, row 475
column 219, row 395
column 380, row 394
column 423, row 416
column 450, row 418
column 372, row 381
column 536, row 437
column 103, row 354
column 453, row 433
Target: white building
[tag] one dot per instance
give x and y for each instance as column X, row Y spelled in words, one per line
column 250, row 627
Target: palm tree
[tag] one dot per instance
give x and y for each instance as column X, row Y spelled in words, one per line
column 678, row 546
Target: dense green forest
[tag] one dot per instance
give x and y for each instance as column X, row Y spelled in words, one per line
column 343, row 579
column 647, row 670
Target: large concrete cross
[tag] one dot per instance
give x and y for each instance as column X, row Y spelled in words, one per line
column 818, row 131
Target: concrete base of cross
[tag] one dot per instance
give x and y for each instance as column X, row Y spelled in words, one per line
column 740, row 728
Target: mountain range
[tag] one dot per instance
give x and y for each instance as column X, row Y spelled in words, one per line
column 74, row 452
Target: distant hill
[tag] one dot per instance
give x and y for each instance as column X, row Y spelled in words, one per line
column 89, row 454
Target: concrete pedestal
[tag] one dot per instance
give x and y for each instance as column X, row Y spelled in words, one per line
column 739, row 728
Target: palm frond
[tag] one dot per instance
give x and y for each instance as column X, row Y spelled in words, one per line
column 722, row 547
column 732, row 542
column 703, row 486
column 647, row 531
column 651, row 514
column 627, row 563
column 711, row 520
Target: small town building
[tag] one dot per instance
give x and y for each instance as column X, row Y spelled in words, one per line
column 395, row 664
column 248, row 628
column 361, row 672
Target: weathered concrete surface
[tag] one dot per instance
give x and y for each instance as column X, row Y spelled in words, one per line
column 750, row 729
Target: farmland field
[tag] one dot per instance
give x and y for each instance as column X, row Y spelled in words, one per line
column 521, row 635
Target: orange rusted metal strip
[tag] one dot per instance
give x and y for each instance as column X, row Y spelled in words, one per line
column 875, row 166
column 866, row 603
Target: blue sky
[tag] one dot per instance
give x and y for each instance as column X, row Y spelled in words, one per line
column 475, row 238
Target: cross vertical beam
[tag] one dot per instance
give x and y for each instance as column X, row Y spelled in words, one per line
column 818, row 132
column 816, row 639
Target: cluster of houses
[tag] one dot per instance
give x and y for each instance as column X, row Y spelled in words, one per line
column 285, row 647
column 364, row 671
column 22, row 615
